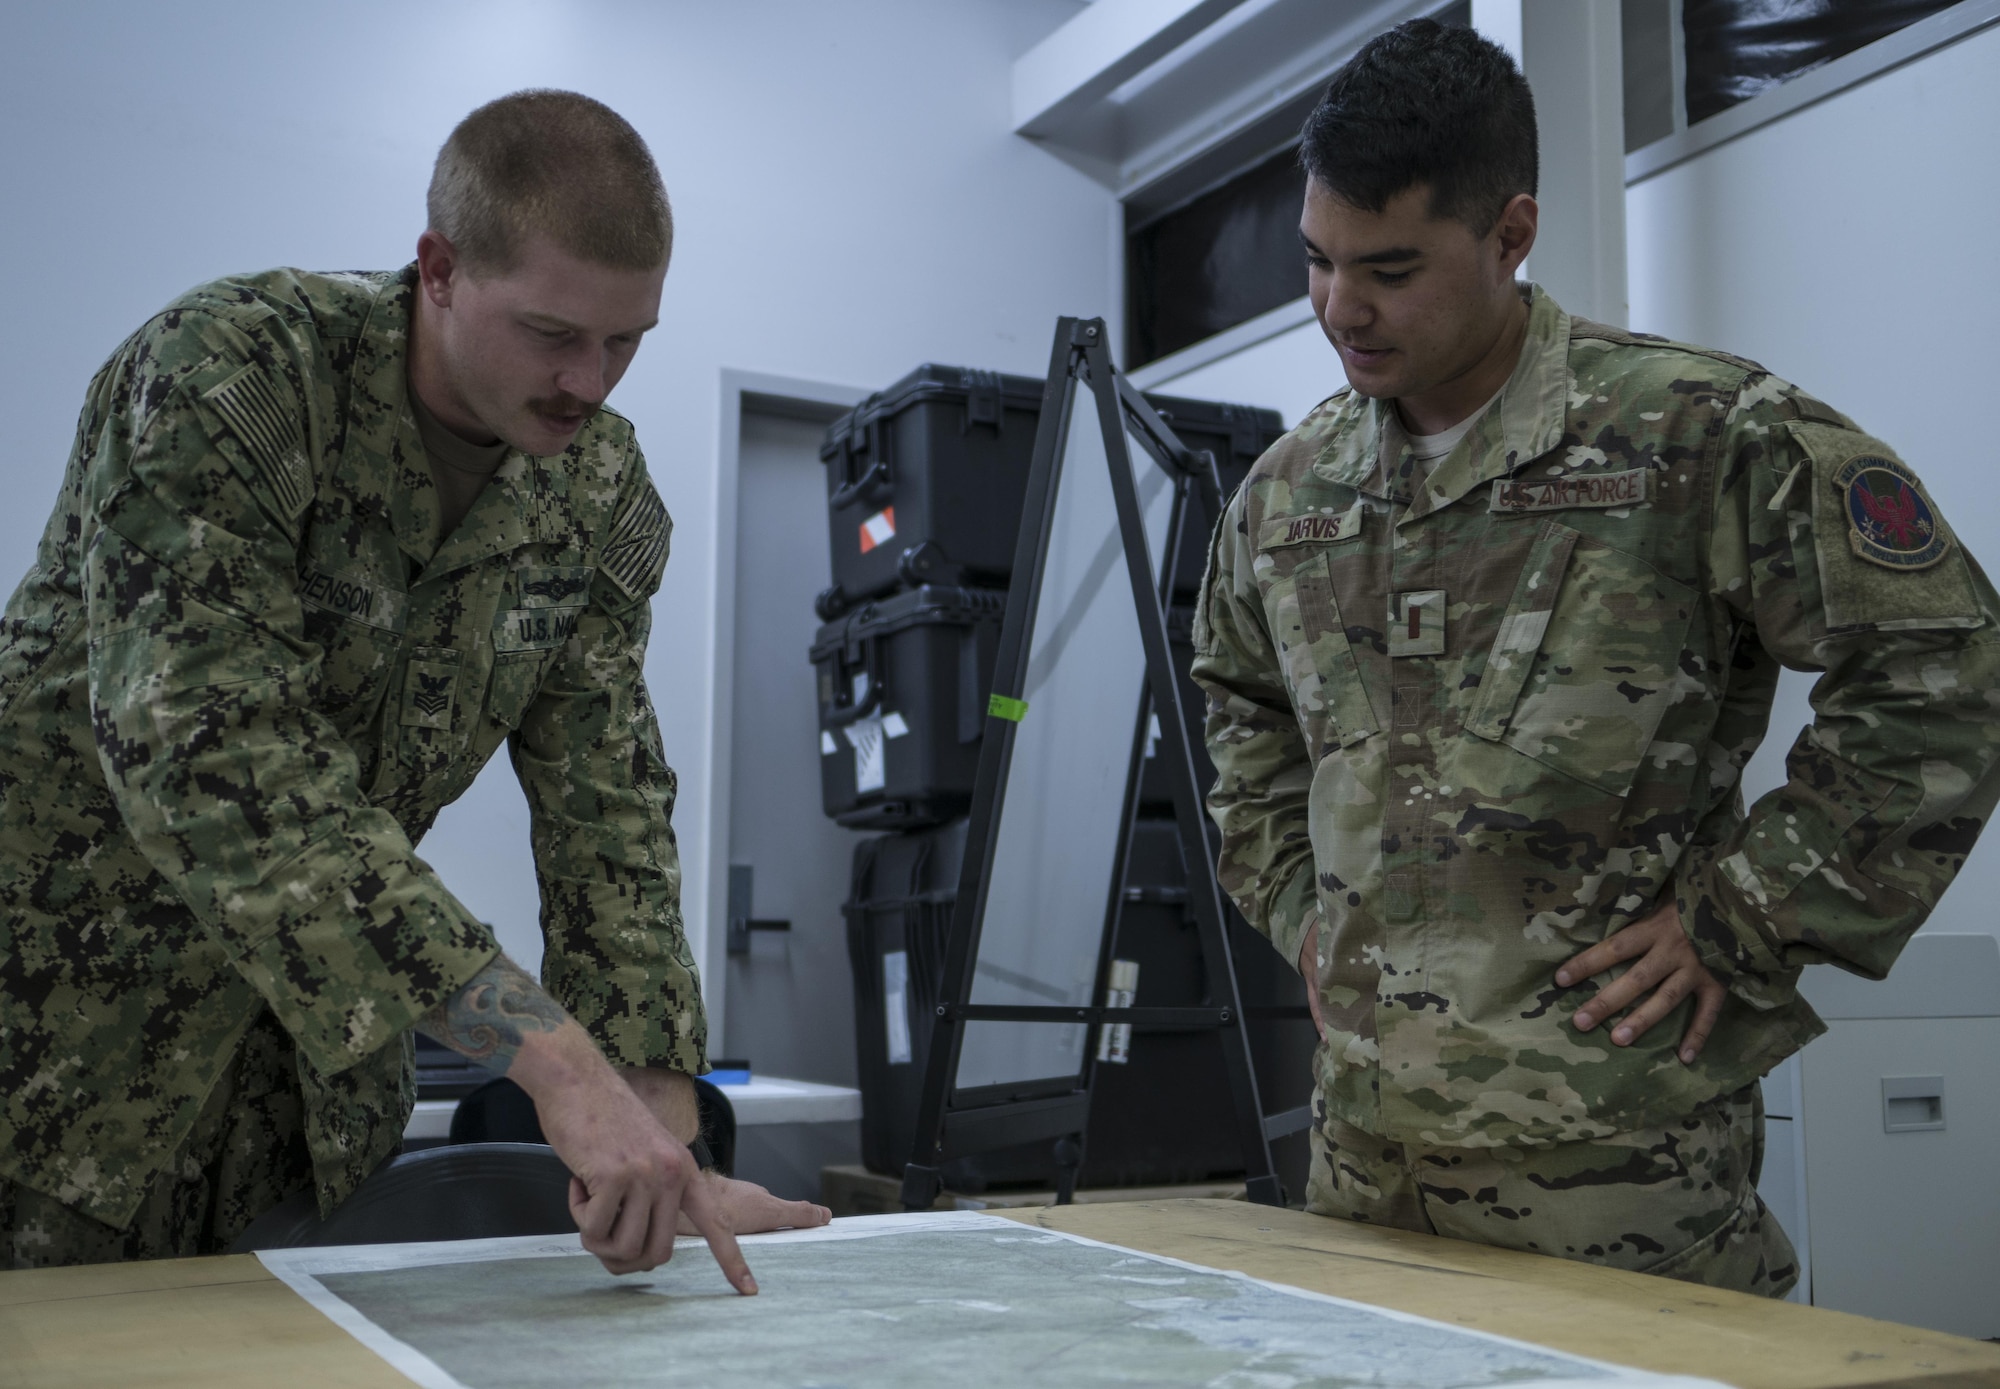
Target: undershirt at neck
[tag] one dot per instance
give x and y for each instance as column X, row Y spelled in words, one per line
column 460, row 469
column 1430, row 447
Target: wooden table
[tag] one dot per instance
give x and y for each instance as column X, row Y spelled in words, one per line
column 225, row 1322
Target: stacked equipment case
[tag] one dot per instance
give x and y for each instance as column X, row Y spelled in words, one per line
column 925, row 487
column 924, row 482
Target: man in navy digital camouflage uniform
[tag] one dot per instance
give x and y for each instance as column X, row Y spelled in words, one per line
column 325, row 543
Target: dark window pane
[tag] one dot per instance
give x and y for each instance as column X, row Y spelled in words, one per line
column 1215, row 261
column 1647, row 27
column 1738, row 48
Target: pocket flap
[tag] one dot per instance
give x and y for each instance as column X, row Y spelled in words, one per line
column 1520, row 636
column 1320, row 666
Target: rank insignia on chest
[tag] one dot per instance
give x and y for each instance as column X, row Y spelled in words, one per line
column 1416, row 623
column 427, row 687
column 1889, row 520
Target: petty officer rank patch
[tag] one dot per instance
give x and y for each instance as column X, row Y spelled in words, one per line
column 1889, row 521
column 427, row 687
column 1633, row 487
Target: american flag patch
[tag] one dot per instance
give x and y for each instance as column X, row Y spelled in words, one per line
column 269, row 432
column 636, row 550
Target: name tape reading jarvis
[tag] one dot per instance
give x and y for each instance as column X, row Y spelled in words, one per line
column 1633, row 487
column 1322, row 529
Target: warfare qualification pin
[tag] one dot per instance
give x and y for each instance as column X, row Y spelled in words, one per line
column 1889, row 521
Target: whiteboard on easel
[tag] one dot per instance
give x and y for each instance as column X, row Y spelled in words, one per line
column 1050, row 877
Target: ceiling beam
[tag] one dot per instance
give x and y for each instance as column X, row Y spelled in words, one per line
column 1106, row 45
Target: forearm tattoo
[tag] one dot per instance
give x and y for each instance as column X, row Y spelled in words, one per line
column 489, row 1018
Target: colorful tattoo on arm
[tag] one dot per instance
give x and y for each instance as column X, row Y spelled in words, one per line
column 488, row 1018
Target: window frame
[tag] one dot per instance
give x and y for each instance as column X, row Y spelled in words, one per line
column 1906, row 45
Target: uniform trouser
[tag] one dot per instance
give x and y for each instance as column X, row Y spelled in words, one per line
column 247, row 1151
column 1680, row 1200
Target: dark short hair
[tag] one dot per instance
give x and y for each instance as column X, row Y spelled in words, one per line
column 1426, row 103
column 555, row 163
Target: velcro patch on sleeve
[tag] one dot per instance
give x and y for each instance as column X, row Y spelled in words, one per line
column 1313, row 528
column 272, row 436
column 635, row 552
column 1886, row 558
column 1602, row 491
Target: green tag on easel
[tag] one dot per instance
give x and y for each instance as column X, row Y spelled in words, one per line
column 1001, row 707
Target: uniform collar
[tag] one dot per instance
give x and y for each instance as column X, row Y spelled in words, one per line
column 1526, row 422
column 385, row 469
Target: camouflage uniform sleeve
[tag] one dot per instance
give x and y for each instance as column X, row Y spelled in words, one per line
column 243, row 798
column 602, row 796
column 1263, row 775
column 1829, row 556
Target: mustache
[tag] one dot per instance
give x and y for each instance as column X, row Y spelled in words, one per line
column 565, row 404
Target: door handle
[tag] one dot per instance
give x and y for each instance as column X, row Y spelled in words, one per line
column 742, row 879
column 1912, row 1104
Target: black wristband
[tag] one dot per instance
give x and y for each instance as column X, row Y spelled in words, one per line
column 703, row 1159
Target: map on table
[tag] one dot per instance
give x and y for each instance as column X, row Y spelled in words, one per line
column 923, row 1299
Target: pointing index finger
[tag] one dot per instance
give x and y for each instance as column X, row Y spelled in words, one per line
column 707, row 1217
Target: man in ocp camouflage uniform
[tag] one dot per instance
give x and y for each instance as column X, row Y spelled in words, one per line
column 324, row 544
column 1488, row 640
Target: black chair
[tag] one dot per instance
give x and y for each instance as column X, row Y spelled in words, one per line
column 501, row 1112
column 479, row 1191
column 496, row 1177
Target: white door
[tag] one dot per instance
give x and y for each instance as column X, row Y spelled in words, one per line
column 789, row 1005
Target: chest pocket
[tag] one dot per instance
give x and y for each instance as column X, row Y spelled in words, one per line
column 358, row 625
column 1313, row 649
column 1587, row 660
column 549, row 603
column 517, row 679
column 429, row 714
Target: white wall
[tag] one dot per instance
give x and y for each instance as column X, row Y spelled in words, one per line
column 849, row 202
column 1290, row 372
column 1849, row 248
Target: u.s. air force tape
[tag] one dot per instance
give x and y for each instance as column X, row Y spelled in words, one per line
column 1605, row 491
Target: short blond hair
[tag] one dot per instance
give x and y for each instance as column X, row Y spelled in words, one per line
column 556, row 163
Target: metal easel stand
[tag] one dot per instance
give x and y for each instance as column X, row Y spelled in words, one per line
column 952, row 1122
